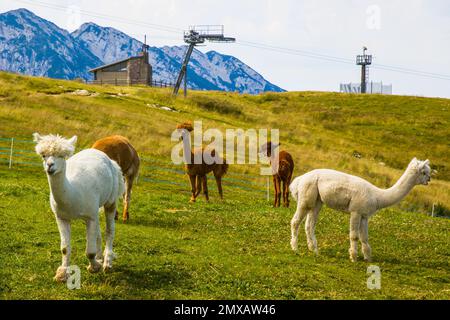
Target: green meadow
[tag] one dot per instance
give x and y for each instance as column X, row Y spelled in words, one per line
column 237, row 248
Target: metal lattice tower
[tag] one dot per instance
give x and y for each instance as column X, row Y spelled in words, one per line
column 364, row 61
column 195, row 36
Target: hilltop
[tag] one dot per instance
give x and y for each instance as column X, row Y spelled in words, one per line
column 373, row 136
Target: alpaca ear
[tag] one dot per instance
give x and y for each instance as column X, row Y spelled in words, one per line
column 263, row 148
column 73, row 140
column 37, row 137
column 425, row 163
column 274, row 146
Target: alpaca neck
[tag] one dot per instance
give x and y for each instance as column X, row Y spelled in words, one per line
column 187, row 153
column 60, row 188
column 399, row 191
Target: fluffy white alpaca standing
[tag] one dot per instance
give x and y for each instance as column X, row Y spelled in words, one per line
column 79, row 186
column 351, row 194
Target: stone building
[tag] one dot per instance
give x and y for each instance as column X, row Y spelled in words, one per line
column 130, row 71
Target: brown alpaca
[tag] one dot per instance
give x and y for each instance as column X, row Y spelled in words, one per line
column 284, row 174
column 197, row 172
column 118, row 148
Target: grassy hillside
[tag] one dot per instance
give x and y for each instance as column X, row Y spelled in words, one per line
column 238, row 248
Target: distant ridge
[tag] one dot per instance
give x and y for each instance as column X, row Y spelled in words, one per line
column 34, row 46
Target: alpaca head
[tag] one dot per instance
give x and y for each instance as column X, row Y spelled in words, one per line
column 185, row 128
column 421, row 170
column 267, row 148
column 54, row 151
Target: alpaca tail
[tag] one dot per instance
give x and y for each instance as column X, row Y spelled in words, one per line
column 220, row 169
column 294, row 186
column 284, row 168
column 120, row 181
column 224, row 167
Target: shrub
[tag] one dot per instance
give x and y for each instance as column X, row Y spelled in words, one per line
column 220, row 106
column 441, row 210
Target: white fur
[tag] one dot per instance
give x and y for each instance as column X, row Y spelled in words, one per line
column 351, row 194
column 79, row 186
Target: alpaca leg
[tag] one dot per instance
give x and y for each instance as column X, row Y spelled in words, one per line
column 355, row 221
column 286, row 193
column 275, row 191
column 205, row 186
column 279, row 192
column 99, row 256
column 287, row 183
column 127, row 197
column 198, row 186
column 64, row 232
column 109, row 255
column 91, row 244
column 310, row 227
column 219, row 186
column 277, row 186
column 193, row 188
column 364, row 237
column 295, row 224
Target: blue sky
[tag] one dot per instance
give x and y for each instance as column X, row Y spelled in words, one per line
column 412, row 34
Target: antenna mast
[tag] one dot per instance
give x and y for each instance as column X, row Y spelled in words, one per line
column 195, row 36
column 364, row 61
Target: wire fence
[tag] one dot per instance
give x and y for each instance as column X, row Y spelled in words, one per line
column 17, row 153
column 126, row 82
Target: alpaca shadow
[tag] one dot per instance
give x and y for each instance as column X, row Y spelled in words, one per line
column 152, row 279
column 158, row 223
column 400, row 260
column 376, row 259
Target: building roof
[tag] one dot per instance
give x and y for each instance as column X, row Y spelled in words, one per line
column 114, row 63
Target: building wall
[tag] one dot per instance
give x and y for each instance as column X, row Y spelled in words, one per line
column 371, row 88
column 136, row 70
column 119, row 78
column 139, row 71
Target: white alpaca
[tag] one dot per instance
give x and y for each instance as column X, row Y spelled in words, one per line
column 78, row 188
column 351, row 194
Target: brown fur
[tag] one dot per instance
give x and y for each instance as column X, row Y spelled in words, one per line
column 119, row 149
column 197, row 172
column 284, row 175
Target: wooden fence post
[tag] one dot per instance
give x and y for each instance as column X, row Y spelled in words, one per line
column 11, row 153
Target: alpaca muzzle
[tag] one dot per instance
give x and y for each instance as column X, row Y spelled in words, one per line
column 51, row 169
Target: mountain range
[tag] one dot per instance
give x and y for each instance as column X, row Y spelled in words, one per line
column 34, row 46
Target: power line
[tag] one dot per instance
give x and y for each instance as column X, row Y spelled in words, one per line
column 107, row 17
column 137, row 36
column 411, row 72
column 294, row 52
column 297, row 52
column 330, row 58
column 284, row 50
column 133, row 22
column 381, row 66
